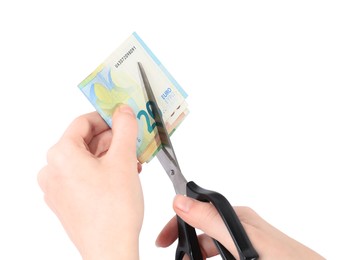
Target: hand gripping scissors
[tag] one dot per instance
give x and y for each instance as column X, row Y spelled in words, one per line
column 187, row 238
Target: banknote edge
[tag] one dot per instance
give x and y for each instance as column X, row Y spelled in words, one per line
column 157, row 61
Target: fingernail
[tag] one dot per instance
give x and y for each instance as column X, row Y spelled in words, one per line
column 126, row 109
column 183, row 203
column 186, row 257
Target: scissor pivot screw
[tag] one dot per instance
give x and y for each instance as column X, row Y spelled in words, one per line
column 172, row 172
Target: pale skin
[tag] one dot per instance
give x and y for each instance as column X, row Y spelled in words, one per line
column 91, row 183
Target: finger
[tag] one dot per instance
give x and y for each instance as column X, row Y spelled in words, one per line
column 205, row 217
column 186, row 257
column 85, row 127
column 124, row 128
column 100, row 143
column 168, row 234
column 139, row 167
column 207, row 246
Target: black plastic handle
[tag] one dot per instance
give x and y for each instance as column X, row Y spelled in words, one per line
column 188, row 241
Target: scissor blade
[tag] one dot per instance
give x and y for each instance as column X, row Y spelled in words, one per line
column 173, row 172
column 166, row 155
column 161, row 127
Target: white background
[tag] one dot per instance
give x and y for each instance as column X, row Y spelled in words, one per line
column 263, row 79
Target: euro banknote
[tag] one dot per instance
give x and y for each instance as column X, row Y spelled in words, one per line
column 118, row 81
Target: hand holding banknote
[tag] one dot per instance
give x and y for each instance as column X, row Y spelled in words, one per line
column 91, row 183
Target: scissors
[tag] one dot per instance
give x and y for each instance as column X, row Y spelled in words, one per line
column 187, row 238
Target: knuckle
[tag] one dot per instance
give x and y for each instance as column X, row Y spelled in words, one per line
column 48, row 179
column 53, row 155
column 41, row 178
column 246, row 211
column 58, row 154
column 246, row 214
column 82, row 122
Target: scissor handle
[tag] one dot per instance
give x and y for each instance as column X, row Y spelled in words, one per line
column 188, row 244
column 188, row 241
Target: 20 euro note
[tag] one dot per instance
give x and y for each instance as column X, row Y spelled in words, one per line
column 118, row 81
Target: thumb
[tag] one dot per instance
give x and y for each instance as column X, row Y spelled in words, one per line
column 124, row 133
column 204, row 216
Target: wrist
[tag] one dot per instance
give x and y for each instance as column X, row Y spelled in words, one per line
column 124, row 248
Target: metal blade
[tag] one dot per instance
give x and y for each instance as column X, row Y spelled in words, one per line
column 166, row 155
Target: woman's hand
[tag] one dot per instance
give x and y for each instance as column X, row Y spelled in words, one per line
column 91, row 183
column 269, row 242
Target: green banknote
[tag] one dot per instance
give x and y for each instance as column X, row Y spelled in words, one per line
column 118, row 81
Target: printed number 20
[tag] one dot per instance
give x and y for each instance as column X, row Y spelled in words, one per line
column 150, row 127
